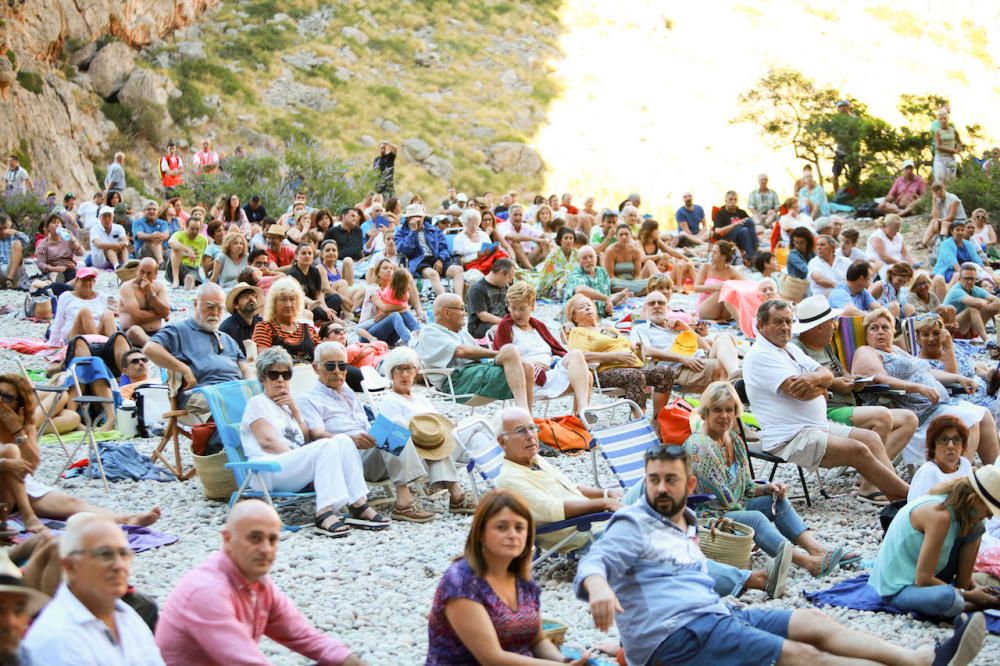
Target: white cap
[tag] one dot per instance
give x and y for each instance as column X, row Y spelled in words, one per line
column 105, row 210
column 461, row 197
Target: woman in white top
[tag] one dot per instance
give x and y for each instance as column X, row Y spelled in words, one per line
column 985, row 235
column 556, row 370
column 83, row 311
column 792, row 219
column 400, row 367
column 273, row 429
column 947, row 438
column 470, row 243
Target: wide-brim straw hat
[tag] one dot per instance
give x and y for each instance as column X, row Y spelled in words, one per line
column 432, row 436
column 11, row 582
column 811, row 312
column 986, row 482
column 234, row 294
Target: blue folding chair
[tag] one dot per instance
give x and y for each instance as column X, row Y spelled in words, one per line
column 623, row 446
column 227, row 402
column 486, row 460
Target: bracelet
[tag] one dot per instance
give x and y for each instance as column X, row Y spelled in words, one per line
column 605, row 493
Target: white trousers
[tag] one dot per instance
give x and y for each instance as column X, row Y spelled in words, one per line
column 332, row 465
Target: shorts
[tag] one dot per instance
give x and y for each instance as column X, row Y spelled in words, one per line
column 749, row 636
column 485, row 379
column 696, row 382
column 841, row 415
column 35, row 489
column 808, row 447
column 556, row 381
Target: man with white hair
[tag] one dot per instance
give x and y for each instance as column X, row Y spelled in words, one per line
column 197, row 350
column 763, row 203
column 114, row 180
column 219, row 610
column 528, row 242
column 87, row 623
column 108, row 241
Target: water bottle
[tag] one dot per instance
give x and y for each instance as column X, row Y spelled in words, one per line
column 65, row 235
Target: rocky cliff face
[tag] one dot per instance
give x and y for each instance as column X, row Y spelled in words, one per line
column 58, row 120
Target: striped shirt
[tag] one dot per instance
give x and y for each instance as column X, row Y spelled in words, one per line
column 50, row 253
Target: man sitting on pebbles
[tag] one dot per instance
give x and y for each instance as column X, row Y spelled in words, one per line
column 144, row 304
column 219, row 610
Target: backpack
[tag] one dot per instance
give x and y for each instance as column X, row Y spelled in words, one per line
column 563, row 433
column 675, row 422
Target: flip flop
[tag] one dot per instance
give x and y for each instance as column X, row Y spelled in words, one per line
column 877, row 498
column 830, row 562
column 336, row 530
column 848, row 560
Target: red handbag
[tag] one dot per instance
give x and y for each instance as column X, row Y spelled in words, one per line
column 675, row 422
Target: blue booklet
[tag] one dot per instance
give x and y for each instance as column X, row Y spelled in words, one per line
column 389, row 436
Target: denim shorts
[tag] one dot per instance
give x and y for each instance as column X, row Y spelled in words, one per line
column 749, row 636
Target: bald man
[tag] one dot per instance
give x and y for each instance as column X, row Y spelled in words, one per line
column 446, row 343
column 87, row 623
column 145, row 304
column 221, row 608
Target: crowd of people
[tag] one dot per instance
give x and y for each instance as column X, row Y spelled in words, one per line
column 490, row 299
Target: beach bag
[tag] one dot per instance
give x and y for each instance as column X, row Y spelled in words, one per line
column 564, row 433
column 675, row 422
column 727, row 541
column 794, row 289
column 483, row 264
column 40, row 304
column 781, row 253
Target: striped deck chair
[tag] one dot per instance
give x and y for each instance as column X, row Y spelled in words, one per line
column 847, row 338
column 623, row 446
column 227, row 401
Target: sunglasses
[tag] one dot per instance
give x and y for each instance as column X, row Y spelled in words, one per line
column 9, row 398
column 275, row 375
column 339, row 366
column 337, row 331
column 137, row 359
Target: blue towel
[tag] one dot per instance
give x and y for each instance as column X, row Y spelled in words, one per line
column 89, row 369
column 122, row 461
column 856, row 593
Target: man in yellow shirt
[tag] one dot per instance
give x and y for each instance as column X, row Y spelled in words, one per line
column 187, row 247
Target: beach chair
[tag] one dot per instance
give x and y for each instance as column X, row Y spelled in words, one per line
column 468, row 400
column 374, row 387
column 84, row 403
column 172, row 432
column 226, row 402
column 48, row 413
column 623, row 446
column 485, row 461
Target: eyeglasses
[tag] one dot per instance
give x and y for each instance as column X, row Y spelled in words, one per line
column 9, row 398
column 523, row 431
column 339, row 366
column 107, row 554
column 949, row 441
column 337, row 330
column 137, row 359
column 275, row 375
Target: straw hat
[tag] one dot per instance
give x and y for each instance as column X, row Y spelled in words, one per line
column 685, row 344
column 234, row 294
column 811, row 312
column 986, row 482
column 432, row 436
column 414, row 210
column 11, row 582
column 276, row 230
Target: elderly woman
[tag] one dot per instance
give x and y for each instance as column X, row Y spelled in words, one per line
column 231, row 260
column 558, row 265
column 711, row 276
column 319, row 297
column 54, row 254
column 401, row 367
column 474, row 248
column 924, row 300
column 486, row 608
column 590, row 280
column 281, row 326
column 719, row 462
column 273, row 429
column 626, row 263
column 619, row 366
column 947, row 438
column 938, row 348
column 556, row 370
column 924, row 393
column 83, row 311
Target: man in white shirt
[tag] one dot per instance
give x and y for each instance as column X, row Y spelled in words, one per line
column 88, row 213
column 17, row 180
column 787, row 392
column 529, row 245
column 87, row 623
column 108, row 241
column 828, row 269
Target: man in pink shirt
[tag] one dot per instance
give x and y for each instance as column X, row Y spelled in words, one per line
column 905, row 192
column 221, row 608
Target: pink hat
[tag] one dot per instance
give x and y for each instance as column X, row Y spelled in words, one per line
column 85, row 273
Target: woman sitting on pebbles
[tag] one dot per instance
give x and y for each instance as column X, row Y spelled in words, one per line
column 626, row 263
column 711, row 276
column 486, row 608
column 19, row 459
column 82, row 311
column 719, row 462
column 273, row 429
column 925, row 562
column 947, row 438
column 401, row 405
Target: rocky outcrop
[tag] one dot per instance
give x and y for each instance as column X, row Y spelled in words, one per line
column 110, row 68
column 513, row 157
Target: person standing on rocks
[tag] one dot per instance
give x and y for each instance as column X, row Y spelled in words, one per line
column 17, row 180
column 206, row 160
column 385, row 165
column 232, row 594
column 171, row 170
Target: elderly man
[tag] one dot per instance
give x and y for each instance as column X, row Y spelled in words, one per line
column 151, row 234
column 648, row 568
column 331, row 408
column 446, row 344
column 187, row 247
column 905, row 192
column 813, row 331
column 108, row 241
column 973, row 304
column 528, row 242
column 243, row 304
column 197, row 350
column 593, row 282
column 144, row 304
column 828, row 269
column 787, row 391
column 425, row 251
column 763, row 203
column 18, row 604
column 696, row 366
column 691, row 226
column 87, row 623
column 232, row 593
column 114, row 180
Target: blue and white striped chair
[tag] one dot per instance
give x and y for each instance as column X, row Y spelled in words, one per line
column 624, row 445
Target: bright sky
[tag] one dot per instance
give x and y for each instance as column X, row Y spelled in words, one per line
column 646, row 107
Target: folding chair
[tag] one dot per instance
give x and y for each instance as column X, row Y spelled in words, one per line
column 486, row 460
column 374, row 386
column 172, row 433
column 623, row 446
column 47, row 412
column 227, row 402
column 84, row 402
column 468, row 400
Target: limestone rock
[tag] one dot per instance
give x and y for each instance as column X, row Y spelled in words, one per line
column 110, row 68
column 192, row 50
column 83, row 55
column 285, row 92
column 417, row 149
column 367, row 140
column 513, row 157
column 439, row 167
column 305, row 59
column 354, row 34
column 148, row 86
column 387, row 125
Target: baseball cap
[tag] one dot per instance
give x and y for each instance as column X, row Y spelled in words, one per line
column 907, row 163
column 85, row 273
column 105, row 210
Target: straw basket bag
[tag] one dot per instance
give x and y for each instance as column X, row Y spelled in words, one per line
column 727, row 541
column 794, row 289
column 217, row 481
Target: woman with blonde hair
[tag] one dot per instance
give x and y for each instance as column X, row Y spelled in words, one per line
column 282, row 324
column 231, row 260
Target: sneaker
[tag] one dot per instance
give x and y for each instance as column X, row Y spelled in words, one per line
column 964, row 644
column 412, row 513
column 466, row 505
column 777, row 572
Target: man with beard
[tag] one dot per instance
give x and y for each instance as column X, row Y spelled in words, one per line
column 231, row 593
column 648, row 568
column 243, row 303
column 197, row 350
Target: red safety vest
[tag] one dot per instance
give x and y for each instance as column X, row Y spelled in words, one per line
column 173, row 162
